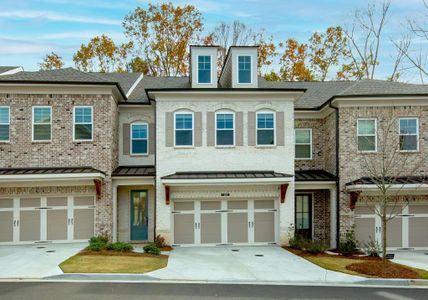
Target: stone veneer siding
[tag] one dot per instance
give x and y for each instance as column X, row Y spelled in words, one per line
column 351, row 166
column 101, row 153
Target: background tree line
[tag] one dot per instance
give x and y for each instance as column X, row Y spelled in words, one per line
column 159, row 36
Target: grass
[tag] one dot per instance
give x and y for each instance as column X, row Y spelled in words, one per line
column 348, row 266
column 113, row 263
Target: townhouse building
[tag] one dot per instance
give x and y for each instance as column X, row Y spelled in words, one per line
column 207, row 159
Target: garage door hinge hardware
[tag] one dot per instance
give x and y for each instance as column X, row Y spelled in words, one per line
column 91, row 206
column 223, row 210
column 405, row 215
column 44, row 207
column 175, row 212
column 272, row 210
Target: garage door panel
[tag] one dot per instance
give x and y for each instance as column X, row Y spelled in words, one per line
column 83, row 224
column 6, row 203
column 395, row 233
column 6, row 226
column 418, row 209
column 57, row 201
column 237, row 228
column 210, row 228
column 418, row 232
column 363, row 210
column 57, row 225
column 83, row 200
column 184, row 230
column 364, row 229
column 30, row 202
column 29, row 226
column 264, row 229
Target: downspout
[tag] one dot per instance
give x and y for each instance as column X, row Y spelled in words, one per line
column 156, row 157
column 337, row 176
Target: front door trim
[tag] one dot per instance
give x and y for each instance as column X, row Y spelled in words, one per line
column 131, row 219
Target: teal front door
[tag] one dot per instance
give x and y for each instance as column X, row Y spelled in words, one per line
column 139, row 216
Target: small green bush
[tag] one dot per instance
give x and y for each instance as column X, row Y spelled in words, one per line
column 120, row 247
column 160, row 241
column 99, row 239
column 372, row 248
column 314, row 247
column 96, row 246
column 349, row 245
column 296, row 242
column 152, row 249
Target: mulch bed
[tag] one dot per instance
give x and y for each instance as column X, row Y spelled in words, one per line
column 166, row 248
column 118, row 253
column 384, row 270
column 304, row 253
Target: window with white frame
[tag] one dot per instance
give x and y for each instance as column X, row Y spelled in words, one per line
column 366, row 135
column 4, row 123
column 303, row 143
column 42, row 123
column 204, row 69
column 225, row 128
column 244, row 69
column 183, row 124
column 265, row 127
column 83, row 123
column 139, row 138
column 409, row 134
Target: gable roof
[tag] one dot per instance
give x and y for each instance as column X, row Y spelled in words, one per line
column 4, row 69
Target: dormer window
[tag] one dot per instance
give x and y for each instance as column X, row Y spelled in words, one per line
column 204, row 69
column 244, row 69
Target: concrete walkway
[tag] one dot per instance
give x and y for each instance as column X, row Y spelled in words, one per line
column 35, row 261
column 415, row 259
column 249, row 263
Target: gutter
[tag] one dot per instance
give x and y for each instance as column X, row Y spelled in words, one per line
column 337, row 175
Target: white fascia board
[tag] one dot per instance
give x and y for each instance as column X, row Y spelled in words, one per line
column 13, row 71
column 133, row 180
column 50, row 177
column 314, row 185
column 227, row 181
column 393, row 187
column 381, row 101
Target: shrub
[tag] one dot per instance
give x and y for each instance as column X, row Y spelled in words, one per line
column 120, row 246
column 314, row 247
column 372, row 248
column 96, row 246
column 296, row 242
column 160, row 241
column 151, row 249
column 349, row 245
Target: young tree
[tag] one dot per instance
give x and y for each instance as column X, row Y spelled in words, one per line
column 239, row 34
column 385, row 166
column 101, row 54
column 51, row 61
column 161, row 35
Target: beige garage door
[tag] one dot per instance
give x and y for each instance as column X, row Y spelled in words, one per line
column 264, row 221
column 29, row 219
column 237, row 222
column 6, row 220
column 184, row 223
column 57, row 218
column 83, row 219
column 364, row 224
column 210, row 222
column 418, row 225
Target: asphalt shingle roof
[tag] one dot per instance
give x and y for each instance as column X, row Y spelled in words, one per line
column 226, row 175
column 126, row 80
column 4, row 69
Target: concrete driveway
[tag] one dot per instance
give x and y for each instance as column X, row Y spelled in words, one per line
column 35, row 261
column 415, row 259
column 249, row 263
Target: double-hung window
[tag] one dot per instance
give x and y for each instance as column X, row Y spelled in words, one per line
column 303, row 143
column 225, row 129
column 204, row 69
column 366, row 135
column 83, row 123
column 139, row 138
column 409, row 134
column 4, row 123
column 183, row 129
column 265, row 128
column 244, row 69
column 42, row 123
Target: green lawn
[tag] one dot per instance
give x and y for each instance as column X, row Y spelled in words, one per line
column 113, row 264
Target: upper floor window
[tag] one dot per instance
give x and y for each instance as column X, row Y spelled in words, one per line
column 409, row 134
column 244, row 69
column 42, row 123
column 225, row 129
column 303, row 143
column 183, row 129
column 139, row 138
column 83, row 123
column 367, row 135
column 204, row 69
column 265, row 128
column 4, row 123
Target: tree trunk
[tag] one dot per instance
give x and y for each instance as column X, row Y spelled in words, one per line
column 384, row 221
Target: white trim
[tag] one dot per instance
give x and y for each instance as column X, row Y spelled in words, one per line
column 417, row 133
column 74, row 123
column 210, row 71
column 392, row 187
column 237, row 70
column 186, row 182
column 305, row 144
column 32, row 123
column 230, row 112
column 139, row 139
column 266, row 111
column 375, row 134
column 50, row 177
column 13, row 71
column 8, row 107
column 185, row 111
column 134, row 85
column 314, row 185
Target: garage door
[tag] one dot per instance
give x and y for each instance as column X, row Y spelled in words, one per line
column 42, row 219
column 407, row 228
column 224, row 222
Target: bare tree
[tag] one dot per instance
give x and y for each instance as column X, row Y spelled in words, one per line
column 386, row 166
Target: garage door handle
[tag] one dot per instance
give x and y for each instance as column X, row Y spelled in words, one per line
column 14, row 223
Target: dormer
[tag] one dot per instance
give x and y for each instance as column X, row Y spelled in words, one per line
column 203, row 61
column 240, row 68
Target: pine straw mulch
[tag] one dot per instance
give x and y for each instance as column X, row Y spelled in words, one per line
column 383, row 270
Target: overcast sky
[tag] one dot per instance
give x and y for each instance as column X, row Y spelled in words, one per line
column 30, row 29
